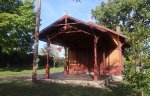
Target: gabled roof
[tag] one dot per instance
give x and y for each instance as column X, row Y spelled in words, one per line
column 73, row 21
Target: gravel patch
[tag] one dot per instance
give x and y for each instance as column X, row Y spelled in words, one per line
column 84, row 83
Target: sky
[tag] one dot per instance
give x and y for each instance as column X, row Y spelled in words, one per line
column 51, row 10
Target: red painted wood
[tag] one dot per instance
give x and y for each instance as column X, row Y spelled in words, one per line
column 47, row 71
column 77, row 69
column 66, row 61
column 65, row 68
column 96, row 71
column 48, row 55
column 104, row 62
column 85, row 54
column 82, row 58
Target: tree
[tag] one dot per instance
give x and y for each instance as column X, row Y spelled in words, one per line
column 134, row 18
column 54, row 52
column 17, row 22
column 36, row 42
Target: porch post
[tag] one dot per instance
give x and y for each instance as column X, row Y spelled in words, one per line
column 48, row 55
column 96, row 72
column 104, row 62
column 66, row 62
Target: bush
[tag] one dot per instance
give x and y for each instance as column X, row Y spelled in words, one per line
column 16, row 60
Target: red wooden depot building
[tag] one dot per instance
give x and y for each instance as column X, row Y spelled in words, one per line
column 89, row 48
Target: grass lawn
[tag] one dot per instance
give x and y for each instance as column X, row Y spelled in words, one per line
column 17, row 87
column 44, row 88
column 11, row 87
column 26, row 70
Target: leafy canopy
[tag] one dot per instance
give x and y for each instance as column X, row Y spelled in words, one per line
column 16, row 25
column 134, row 18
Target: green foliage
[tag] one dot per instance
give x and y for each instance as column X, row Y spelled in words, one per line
column 16, row 25
column 139, row 80
column 60, row 62
column 122, row 12
column 134, row 18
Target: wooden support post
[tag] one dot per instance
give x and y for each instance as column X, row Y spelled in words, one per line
column 66, row 62
column 104, row 62
column 96, row 71
column 48, row 55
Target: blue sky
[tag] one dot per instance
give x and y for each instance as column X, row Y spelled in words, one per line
column 51, row 10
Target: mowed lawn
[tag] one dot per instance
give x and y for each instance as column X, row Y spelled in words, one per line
column 11, row 87
column 26, row 70
column 21, row 87
column 44, row 88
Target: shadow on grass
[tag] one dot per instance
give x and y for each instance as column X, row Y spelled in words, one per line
column 43, row 88
column 121, row 89
column 125, row 89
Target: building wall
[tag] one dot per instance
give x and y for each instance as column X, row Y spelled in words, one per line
column 114, row 59
column 81, row 60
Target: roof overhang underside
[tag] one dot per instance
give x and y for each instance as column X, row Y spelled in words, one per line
column 68, row 31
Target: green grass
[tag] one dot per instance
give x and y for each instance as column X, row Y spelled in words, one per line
column 43, row 88
column 20, row 87
column 26, row 70
column 10, row 87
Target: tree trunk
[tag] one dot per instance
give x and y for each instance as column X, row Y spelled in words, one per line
column 36, row 41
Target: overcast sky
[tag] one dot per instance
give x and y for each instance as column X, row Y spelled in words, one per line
column 51, row 10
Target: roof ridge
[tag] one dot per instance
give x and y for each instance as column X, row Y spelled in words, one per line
column 92, row 24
